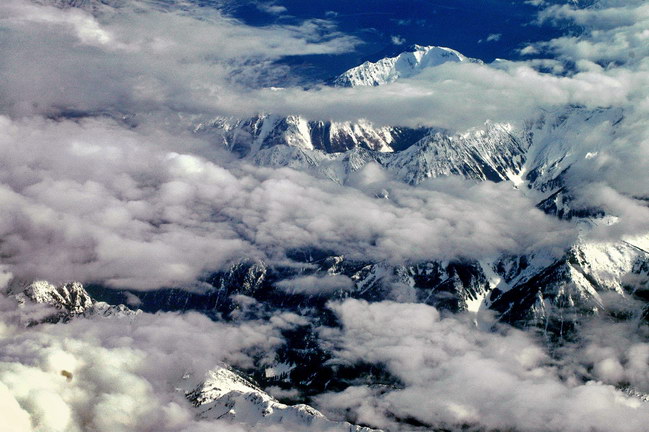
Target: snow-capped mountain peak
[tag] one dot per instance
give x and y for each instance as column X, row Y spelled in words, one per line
column 226, row 395
column 71, row 297
column 66, row 301
column 404, row 65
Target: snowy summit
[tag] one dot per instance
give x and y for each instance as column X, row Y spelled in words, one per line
column 405, row 65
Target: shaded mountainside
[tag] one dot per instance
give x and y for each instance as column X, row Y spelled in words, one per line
column 528, row 290
column 592, row 278
column 249, row 136
column 540, row 153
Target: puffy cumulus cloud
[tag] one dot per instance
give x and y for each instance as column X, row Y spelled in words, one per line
column 16, row 419
column 494, row 37
column 118, row 374
column 613, row 353
column 81, row 205
column 630, row 215
column 271, row 8
column 142, row 56
column 128, row 373
column 94, row 201
column 453, row 374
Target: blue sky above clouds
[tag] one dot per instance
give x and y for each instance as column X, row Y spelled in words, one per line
column 485, row 29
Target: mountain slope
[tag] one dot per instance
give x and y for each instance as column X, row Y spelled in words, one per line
column 225, row 395
column 64, row 301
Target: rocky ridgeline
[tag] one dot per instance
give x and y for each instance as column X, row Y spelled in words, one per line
column 65, row 301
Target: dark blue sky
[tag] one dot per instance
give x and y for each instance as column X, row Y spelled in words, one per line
column 458, row 24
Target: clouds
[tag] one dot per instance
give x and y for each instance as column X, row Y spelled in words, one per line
column 456, row 96
column 315, row 285
column 453, row 374
column 94, row 201
column 128, row 374
column 492, row 37
column 203, row 62
column 138, row 372
column 139, row 202
column 103, row 181
column 131, row 373
column 614, row 353
column 142, row 56
column 271, row 8
column 397, row 40
column 615, row 32
column 98, row 208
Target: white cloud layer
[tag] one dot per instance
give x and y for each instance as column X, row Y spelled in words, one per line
column 316, row 285
column 123, row 374
column 94, row 201
column 150, row 205
column 142, row 57
column 454, row 374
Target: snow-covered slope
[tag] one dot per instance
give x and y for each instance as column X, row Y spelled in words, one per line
column 249, row 136
column 226, row 395
column 404, row 65
column 71, row 297
column 539, row 153
column 493, row 153
column 562, row 139
column 67, row 300
column 554, row 294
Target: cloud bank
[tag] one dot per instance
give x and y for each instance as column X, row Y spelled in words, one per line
column 91, row 200
column 122, row 373
column 125, row 196
column 453, row 374
column 148, row 56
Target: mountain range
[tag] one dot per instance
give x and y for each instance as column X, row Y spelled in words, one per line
column 544, row 291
